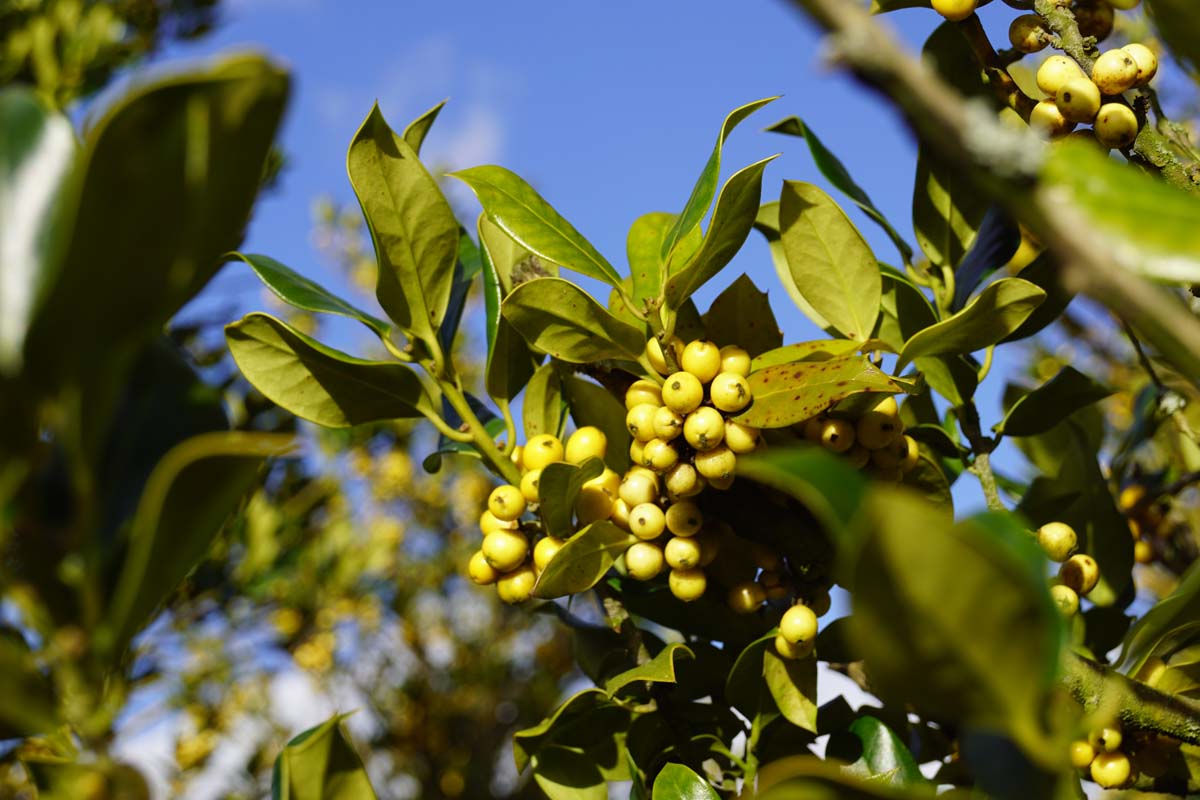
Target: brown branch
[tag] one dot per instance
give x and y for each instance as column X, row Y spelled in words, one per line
column 1138, row 706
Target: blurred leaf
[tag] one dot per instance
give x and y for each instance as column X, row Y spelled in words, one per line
column 706, row 185
column 987, row 319
column 767, row 223
column 318, row 383
column 509, row 362
column 826, row 484
column 29, row 705
column 1173, row 615
column 677, row 782
column 187, row 498
column 558, row 318
column 884, row 756
column 793, row 685
column 592, row 404
column 468, row 264
column 321, row 764
column 566, row 774
column 660, row 669
column 928, row 479
column 1043, row 273
column 37, row 158
column 303, row 293
column 582, row 561
column 415, row 233
column 543, row 410
column 732, row 220
column 829, row 260
column 837, row 174
column 1051, row 403
column 938, row 440
column 742, row 315
column 820, row 350
column 558, row 487
column 884, row 6
column 418, row 129
column 1176, row 22
column 516, row 208
column 789, row 393
column 994, row 246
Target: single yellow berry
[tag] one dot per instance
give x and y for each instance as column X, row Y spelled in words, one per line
column 1066, row 598
column 792, row 651
column 647, row 521
column 704, row 428
column 1047, row 120
column 687, row 584
column 682, row 553
column 1080, row 572
column 668, row 424
column 837, row 435
column 1111, row 770
column 746, row 597
column 730, row 392
column 955, row 10
column 858, row 456
column 637, row 451
column 702, row 359
column 813, row 427
column 644, row 560
column 682, row 480
column 545, row 550
column 543, row 450
column 876, row 430
column 1143, row 552
column 717, row 464
column 684, row 519
column 593, row 503
column 488, row 523
column 820, row 602
column 799, row 624
column 1054, row 72
column 1115, row 72
column 643, row 391
column 638, row 488
column 654, row 354
column 1107, row 739
column 740, row 438
column 587, row 442
column 1131, row 498
column 506, row 503
column 1082, row 754
column 659, row 456
column 1057, row 540
column 608, row 480
column 640, row 422
column 1094, row 19
column 480, row 571
column 1146, row 60
column 517, row 586
column 505, row 550
column 736, row 360
column 518, row 456
column 682, row 393
column 620, row 514
column 1116, row 126
column 1079, row 100
column 909, row 452
column 888, row 406
column 1028, row 33
column 529, row 485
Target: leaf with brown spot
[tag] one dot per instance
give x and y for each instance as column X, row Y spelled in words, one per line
column 789, row 393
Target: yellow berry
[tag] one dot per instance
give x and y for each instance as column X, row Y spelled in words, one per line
column 654, row 354
column 730, row 392
column 1094, row 19
column 644, row 560
column 660, row 456
column 1054, row 72
column 1066, row 598
column 746, row 597
column 682, row 393
column 480, row 571
column 643, row 391
column 1131, row 497
column 717, row 464
column 704, row 428
column 1057, row 540
column 506, row 503
column 813, row 427
column 684, row 519
column 1079, row 100
column 1106, row 739
column 1080, row 572
column 1047, row 120
column 736, row 360
column 668, row 424
column 682, row 480
column 1143, row 552
column 647, row 521
column 518, row 457
column 517, row 586
column 1146, row 60
column 543, row 450
column 505, row 550
column 587, row 442
column 593, row 503
column 682, row 553
column 908, row 451
column 529, row 485
column 876, row 430
column 1082, row 754
column 638, row 488
column 702, row 359
column 488, row 523
column 637, row 451
column 687, row 584
column 620, row 514
column 888, row 406
column 858, row 456
column 1111, row 770
column 799, row 624
column 608, row 480
column 740, row 438
column 792, row 651
column 1028, row 33
column 640, row 422
column 955, row 10
column 837, row 435
column 545, row 550
column 1116, row 126
column 1115, row 72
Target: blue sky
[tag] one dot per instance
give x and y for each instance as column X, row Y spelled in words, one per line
column 609, row 109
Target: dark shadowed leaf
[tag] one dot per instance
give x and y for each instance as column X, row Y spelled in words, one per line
column 1173, row 616
column 567, row 774
column 829, row 487
column 1051, row 403
column 742, row 315
column 1177, row 23
column 1043, row 273
column 29, row 705
column 558, row 487
column 994, row 245
column 466, row 268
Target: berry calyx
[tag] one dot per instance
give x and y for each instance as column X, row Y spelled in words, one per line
column 682, row 393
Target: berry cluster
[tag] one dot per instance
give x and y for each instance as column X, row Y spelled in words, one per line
column 874, row 441
column 1078, row 574
column 1101, row 755
column 1145, row 520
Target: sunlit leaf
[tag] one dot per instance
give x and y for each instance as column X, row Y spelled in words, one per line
column 582, row 561
column 995, row 313
column 321, row 764
column 677, row 782
column 558, row 318
column 789, row 393
column 660, row 669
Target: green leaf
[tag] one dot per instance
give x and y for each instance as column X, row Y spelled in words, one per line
column 904, row 310
column 1174, row 615
column 1051, row 403
column 187, row 498
column 418, row 129
column 557, row 317
column 321, row 764
column 1044, row 273
column 885, row 758
column 742, row 315
column 947, row 209
column 185, row 197
column 318, row 383
column 494, row 425
column 884, row 6
column 767, row 223
column 582, row 561
column 837, row 174
column 732, row 220
column 414, row 231
column 972, row 635
column 820, row 350
column 592, row 404
column 706, row 185
column 543, row 409
column 953, row 377
column 585, row 720
column 29, row 705
column 793, row 685
column 509, row 362
column 928, row 479
column 829, row 260
column 660, row 669
column 995, row 313
column 677, row 782
column 303, row 293
column 558, row 487
column 523, row 214
column 1146, row 225
column 37, row 159
column 468, row 265
column 789, row 393
column 830, row 488
column 810, row 778
column 1176, row 22
column 643, row 248
column 567, row 774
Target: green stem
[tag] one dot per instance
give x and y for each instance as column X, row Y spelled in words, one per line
column 986, row 367
column 493, row 456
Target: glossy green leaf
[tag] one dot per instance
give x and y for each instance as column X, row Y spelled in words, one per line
column 592, row 404
column 510, row 365
column 885, row 758
column 904, row 310
column 303, row 293
column 742, row 315
column 643, row 248
column 494, row 425
column 1145, row 224
column 826, row 484
column 677, row 782
column 829, row 260
column 806, row 777
column 995, row 313
column 837, row 174
column 660, row 669
column 706, row 185
column 1043, row 273
column 186, row 499
column 543, row 409
column 793, row 686
column 1177, row 23
column 800, row 352
column 732, row 220
column 321, row 764
column 37, row 158
column 318, row 383
column 767, row 223
column 1174, row 615
column 185, row 198
column 414, row 231
column 523, row 214
column 558, row 487
column 583, row 560
column 584, row 721
column 947, row 209
column 418, row 129
column 1051, row 403
column 972, row 636
column 467, row 267
column 29, row 705
column 953, row 377
column 789, row 393
column 567, row 774
column 557, row 317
